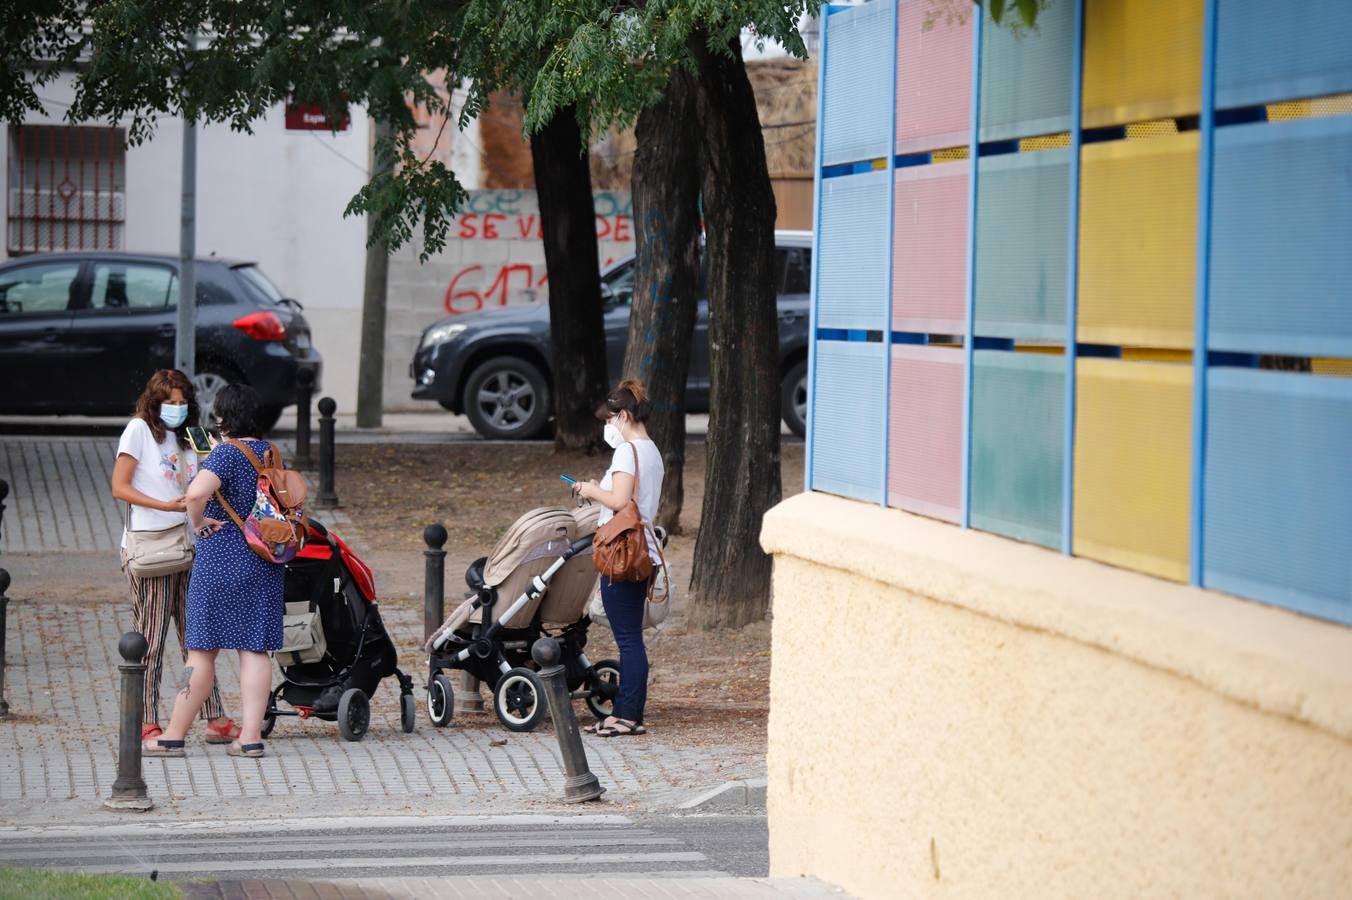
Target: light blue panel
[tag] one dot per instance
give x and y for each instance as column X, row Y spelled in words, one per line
column 1023, row 209
column 1279, row 490
column 847, row 421
column 1285, row 51
column 1281, row 247
column 856, row 109
column 1026, row 75
column 853, row 244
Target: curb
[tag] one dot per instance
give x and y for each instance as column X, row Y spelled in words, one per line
column 731, row 797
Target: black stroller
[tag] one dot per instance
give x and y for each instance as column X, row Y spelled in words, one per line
column 536, row 582
column 335, row 647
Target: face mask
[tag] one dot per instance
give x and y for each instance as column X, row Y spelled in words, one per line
column 173, row 414
column 612, row 436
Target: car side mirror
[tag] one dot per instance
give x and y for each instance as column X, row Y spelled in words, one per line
column 607, row 295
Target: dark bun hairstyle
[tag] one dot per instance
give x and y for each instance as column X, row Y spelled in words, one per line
column 629, row 396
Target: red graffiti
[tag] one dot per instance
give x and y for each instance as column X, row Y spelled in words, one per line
column 467, row 293
column 494, row 227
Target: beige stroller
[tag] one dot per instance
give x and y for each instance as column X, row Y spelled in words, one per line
column 536, row 582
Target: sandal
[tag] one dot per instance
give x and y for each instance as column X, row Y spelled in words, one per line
column 252, row 751
column 162, row 747
column 151, row 730
column 621, row 728
column 228, row 732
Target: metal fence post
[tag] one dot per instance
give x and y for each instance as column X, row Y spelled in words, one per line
column 434, row 579
column 4, row 612
column 4, row 492
column 305, row 383
column 580, row 784
column 129, row 790
column 327, row 496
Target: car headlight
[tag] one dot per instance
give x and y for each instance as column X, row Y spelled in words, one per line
column 443, row 333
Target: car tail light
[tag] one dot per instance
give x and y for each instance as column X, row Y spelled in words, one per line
column 262, row 326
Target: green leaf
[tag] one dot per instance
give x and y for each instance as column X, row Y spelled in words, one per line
column 997, row 10
column 1028, row 9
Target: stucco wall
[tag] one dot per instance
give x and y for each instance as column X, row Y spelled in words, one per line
column 953, row 713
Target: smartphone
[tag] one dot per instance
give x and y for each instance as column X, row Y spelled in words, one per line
column 198, row 440
column 569, row 479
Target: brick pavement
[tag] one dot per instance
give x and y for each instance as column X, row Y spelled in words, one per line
column 575, row 887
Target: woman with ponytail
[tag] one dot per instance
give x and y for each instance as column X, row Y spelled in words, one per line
column 635, row 465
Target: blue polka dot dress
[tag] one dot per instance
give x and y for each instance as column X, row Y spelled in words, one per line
column 235, row 596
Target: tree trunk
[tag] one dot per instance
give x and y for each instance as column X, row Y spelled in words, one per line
column 576, row 327
column 666, row 280
column 371, row 362
column 730, row 583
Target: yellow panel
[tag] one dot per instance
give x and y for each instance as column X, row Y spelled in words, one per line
column 952, row 154
column 1142, row 60
column 1133, row 440
column 1045, row 142
column 1138, row 231
column 1339, row 367
column 1335, row 105
column 1157, row 355
column 1152, row 128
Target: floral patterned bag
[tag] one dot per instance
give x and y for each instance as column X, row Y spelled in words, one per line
column 274, row 527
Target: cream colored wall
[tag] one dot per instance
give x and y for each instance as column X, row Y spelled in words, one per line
column 957, row 714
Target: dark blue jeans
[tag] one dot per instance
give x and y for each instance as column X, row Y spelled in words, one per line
column 624, row 601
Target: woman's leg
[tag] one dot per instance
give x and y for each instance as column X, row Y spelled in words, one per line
column 213, row 710
column 150, row 609
column 255, row 683
column 199, row 676
column 623, row 602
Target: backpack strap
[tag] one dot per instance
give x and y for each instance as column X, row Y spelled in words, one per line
column 248, row 451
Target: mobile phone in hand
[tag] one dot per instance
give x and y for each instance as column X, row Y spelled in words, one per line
column 568, row 479
column 198, row 439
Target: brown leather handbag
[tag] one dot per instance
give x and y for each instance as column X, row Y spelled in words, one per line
column 620, row 547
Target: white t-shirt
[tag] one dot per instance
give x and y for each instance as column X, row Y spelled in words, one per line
column 650, row 476
column 162, row 471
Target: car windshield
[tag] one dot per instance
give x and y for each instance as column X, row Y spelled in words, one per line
column 259, row 284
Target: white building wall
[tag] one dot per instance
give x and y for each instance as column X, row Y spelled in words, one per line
column 274, row 197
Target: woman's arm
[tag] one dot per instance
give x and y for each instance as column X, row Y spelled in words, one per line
column 204, row 484
column 622, row 489
column 123, row 470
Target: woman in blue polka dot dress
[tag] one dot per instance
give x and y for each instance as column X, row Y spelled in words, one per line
column 235, row 596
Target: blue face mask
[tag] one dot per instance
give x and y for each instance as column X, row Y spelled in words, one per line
column 173, row 414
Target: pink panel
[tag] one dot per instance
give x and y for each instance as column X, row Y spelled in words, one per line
column 934, row 76
column 929, row 261
column 924, row 466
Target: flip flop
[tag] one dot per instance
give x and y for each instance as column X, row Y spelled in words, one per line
column 150, row 731
column 252, row 751
column 621, row 728
column 162, row 747
column 223, row 735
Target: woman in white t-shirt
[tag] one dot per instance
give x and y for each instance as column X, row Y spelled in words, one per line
column 153, row 468
column 624, row 412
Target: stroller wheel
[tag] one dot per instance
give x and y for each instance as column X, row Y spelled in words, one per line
column 354, row 714
column 519, row 700
column 604, row 688
column 440, row 700
column 408, row 713
column 269, row 723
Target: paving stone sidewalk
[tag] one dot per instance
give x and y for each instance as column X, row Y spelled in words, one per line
column 499, row 888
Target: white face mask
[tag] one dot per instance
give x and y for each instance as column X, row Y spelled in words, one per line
column 612, row 436
column 173, row 414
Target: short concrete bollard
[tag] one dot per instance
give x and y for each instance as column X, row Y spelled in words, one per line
column 4, row 613
column 327, row 496
column 434, row 579
column 305, row 383
column 580, row 784
column 129, row 790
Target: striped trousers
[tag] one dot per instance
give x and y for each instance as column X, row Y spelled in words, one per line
column 154, row 602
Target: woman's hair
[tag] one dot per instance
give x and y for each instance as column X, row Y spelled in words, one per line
column 158, row 390
column 628, row 396
column 239, row 410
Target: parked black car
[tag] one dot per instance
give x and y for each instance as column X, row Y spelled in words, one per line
column 81, row 332
column 494, row 366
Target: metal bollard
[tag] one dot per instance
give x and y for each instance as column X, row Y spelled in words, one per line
column 434, row 579
column 305, row 383
column 581, row 784
column 129, row 790
column 4, row 492
column 327, row 497
column 4, row 612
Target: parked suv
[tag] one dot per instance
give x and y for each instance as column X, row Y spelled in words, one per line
column 494, row 366
column 81, row 332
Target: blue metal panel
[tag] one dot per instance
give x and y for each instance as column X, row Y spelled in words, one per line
column 1025, row 89
column 891, row 248
column 1072, row 277
column 1295, row 49
column 847, row 427
column 1279, row 490
column 1022, row 210
column 817, row 178
column 857, row 92
column 1281, row 255
column 853, row 251
column 969, row 325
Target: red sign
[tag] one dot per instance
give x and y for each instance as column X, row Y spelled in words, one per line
column 310, row 117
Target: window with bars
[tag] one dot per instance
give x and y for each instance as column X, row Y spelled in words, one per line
column 66, row 188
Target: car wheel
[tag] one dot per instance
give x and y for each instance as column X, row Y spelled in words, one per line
column 507, row 399
column 208, row 383
column 793, row 398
